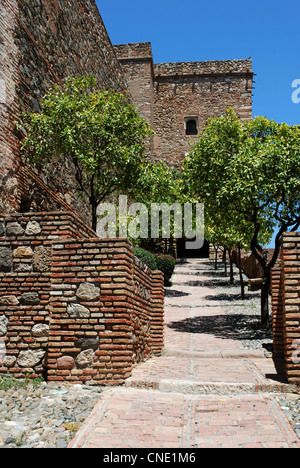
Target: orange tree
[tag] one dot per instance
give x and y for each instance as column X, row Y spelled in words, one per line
column 100, row 132
column 249, row 170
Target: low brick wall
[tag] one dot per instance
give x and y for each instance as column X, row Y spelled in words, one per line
column 74, row 307
column 286, row 306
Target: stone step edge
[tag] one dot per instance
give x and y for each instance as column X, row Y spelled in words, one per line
column 208, row 388
column 224, row 354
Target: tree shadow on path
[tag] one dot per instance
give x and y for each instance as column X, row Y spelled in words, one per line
column 233, row 327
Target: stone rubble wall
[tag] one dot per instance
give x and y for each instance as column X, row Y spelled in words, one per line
column 74, row 307
column 199, row 90
column 167, row 94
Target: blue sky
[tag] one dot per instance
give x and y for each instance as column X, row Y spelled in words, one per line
column 196, row 30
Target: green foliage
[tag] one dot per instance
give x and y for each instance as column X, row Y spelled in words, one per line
column 247, row 173
column 8, row 381
column 146, row 257
column 157, row 183
column 98, row 131
column 166, row 264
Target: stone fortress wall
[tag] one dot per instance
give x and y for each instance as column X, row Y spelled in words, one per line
column 41, row 43
column 168, row 95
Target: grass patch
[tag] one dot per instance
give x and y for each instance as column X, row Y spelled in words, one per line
column 9, row 381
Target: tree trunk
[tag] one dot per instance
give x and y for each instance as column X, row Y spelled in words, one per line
column 94, row 217
column 225, row 260
column 231, row 267
column 241, row 275
column 265, row 317
column 216, row 257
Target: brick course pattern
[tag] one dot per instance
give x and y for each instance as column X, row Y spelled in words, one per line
column 286, row 305
column 74, row 307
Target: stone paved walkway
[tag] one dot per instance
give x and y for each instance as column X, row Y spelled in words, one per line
column 206, row 390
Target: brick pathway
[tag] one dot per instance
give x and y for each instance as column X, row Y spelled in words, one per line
column 205, row 391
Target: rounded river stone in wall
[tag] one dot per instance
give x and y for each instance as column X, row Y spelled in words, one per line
column 88, row 292
column 65, row 363
column 42, row 258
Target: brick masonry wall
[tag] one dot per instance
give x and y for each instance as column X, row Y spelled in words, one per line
column 42, row 42
column 74, row 307
column 148, row 311
column 277, row 310
column 291, row 304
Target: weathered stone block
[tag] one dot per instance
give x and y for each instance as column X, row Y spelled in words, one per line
column 21, row 252
column 30, row 298
column 9, row 300
column 6, row 259
column 23, row 267
column 88, row 343
column 3, row 325
column 33, row 228
column 40, row 329
column 30, row 358
column 85, row 358
column 14, row 229
column 2, row 229
column 88, row 292
column 65, row 363
column 9, row 361
column 42, row 258
column 78, row 311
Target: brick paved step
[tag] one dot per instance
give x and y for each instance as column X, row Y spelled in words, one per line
column 188, row 387
column 225, row 354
